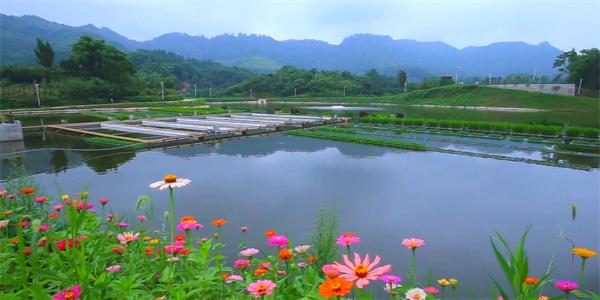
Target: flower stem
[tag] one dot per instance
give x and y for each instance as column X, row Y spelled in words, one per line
column 582, row 274
column 413, row 268
column 172, row 216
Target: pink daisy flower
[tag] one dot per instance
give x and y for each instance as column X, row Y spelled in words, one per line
column 279, row 241
column 260, row 288
column 413, row 243
column 113, row 269
column 71, row 293
column 361, row 271
column 347, row 239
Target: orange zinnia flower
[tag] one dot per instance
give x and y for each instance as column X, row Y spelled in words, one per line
column 531, row 280
column 179, row 238
column 149, row 250
column 219, row 222
column 270, row 233
column 335, row 287
column 7, row 213
column 27, row 190
column 260, row 271
column 53, row 216
column 312, row 259
column 285, row 254
column 584, row 252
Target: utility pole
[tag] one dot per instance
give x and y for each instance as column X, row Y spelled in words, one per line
column 162, row 90
column 490, row 79
column 578, row 89
column 405, row 86
column 295, row 92
column 250, row 93
column 37, row 92
column 195, row 91
column 210, row 92
column 344, row 91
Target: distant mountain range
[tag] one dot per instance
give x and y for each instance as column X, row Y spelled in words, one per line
column 260, row 53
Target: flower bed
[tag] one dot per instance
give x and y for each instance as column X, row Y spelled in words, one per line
column 73, row 248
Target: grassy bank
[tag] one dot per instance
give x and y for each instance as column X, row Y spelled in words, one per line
column 357, row 139
column 459, row 96
column 498, row 127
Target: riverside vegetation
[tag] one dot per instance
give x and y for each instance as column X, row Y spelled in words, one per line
column 72, row 246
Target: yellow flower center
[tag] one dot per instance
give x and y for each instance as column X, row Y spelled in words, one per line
column 69, row 295
column 170, row 178
column 262, row 288
column 416, row 296
column 336, row 286
column 361, row 270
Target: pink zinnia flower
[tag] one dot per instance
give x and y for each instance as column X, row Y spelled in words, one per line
column 261, row 287
column 121, row 224
column 233, row 278
column 244, row 228
column 330, row 270
column 361, row 271
column 279, row 241
column 249, row 252
column 566, row 286
column 112, row 269
column 11, row 196
column 347, row 239
column 413, row 243
column 127, row 237
column 188, row 225
column 58, row 207
column 175, row 247
column 141, row 218
column 302, row 264
column 41, row 199
column 44, row 227
column 302, row 248
column 390, row 278
column 241, row 263
column 431, row 290
column 103, row 201
column 2, row 192
column 71, row 293
column 109, row 217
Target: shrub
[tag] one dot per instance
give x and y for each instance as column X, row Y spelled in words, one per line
column 590, row 133
column 518, row 128
column 573, row 131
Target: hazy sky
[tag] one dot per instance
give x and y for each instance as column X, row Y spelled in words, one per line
column 565, row 24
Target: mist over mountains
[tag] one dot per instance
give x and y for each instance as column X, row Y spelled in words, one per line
column 356, row 53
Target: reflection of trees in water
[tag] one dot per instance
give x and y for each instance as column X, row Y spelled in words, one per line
column 103, row 161
column 267, row 145
column 59, row 160
column 572, row 159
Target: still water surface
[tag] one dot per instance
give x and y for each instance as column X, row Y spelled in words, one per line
column 455, row 203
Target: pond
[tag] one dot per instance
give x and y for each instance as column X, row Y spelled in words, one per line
column 453, row 202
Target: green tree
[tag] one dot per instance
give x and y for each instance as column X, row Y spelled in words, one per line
column 401, row 78
column 44, row 53
column 90, row 57
column 583, row 65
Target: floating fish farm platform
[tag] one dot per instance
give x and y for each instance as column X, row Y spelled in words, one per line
column 160, row 131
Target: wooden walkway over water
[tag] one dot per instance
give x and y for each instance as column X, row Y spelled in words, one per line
column 160, row 131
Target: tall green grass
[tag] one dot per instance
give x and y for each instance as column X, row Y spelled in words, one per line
column 484, row 126
column 359, row 139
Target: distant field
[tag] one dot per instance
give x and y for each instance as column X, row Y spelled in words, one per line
column 464, row 95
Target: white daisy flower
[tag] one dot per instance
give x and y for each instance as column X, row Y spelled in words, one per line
column 170, row 181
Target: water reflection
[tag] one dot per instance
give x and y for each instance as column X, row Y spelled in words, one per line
column 453, row 202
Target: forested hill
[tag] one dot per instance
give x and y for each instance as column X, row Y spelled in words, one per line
column 357, row 53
